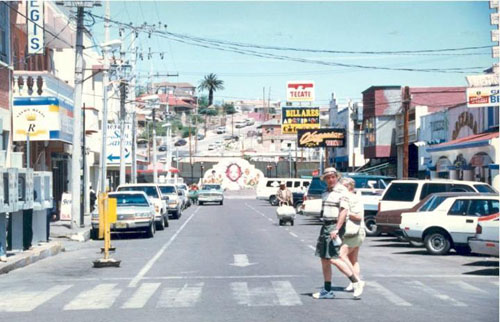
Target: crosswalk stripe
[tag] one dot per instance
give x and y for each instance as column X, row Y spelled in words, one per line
column 141, row 296
column 396, row 300
column 468, row 287
column 436, row 294
column 286, row 293
column 186, row 296
column 29, row 300
column 100, row 297
column 241, row 292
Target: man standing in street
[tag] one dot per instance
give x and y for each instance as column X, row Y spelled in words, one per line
column 329, row 240
column 284, row 195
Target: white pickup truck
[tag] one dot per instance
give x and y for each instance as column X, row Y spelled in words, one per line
column 449, row 225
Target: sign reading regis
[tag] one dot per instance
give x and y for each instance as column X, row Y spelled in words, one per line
column 300, row 91
column 321, row 138
column 297, row 118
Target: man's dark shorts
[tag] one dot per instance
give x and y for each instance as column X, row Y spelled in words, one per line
column 324, row 246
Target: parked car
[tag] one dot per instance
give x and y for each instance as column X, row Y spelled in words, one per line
column 221, row 130
column 485, row 241
column 174, row 205
column 211, row 193
column 267, row 187
column 162, row 148
column 134, row 212
column 407, row 193
column 388, row 221
column 154, row 194
column 183, row 195
column 180, row 142
column 228, row 137
column 368, row 187
column 450, row 224
column 258, row 125
column 250, row 122
column 200, row 136
column 212, row 146
column 240, row 124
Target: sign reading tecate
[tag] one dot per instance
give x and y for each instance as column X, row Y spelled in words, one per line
column 35, row 24
column 113, row 143
column 295, row 118
column 483, row 96
column 300, row 91
column 321, row 138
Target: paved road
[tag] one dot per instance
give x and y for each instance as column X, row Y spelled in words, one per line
column 234, row 263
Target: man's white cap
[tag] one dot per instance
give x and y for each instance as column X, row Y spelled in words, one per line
column 327, row 172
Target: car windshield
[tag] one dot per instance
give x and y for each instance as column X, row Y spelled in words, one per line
column 149, row 190
column 137, row 200
column 432, row 203
column 167, row 190
column 484, row 188
column 211, row 187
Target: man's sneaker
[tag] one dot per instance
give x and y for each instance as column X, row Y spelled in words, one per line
column 3, row 258
column 324, row 294
column 349, row 288
column 358, row 289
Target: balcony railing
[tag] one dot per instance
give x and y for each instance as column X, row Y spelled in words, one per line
column 40, row 83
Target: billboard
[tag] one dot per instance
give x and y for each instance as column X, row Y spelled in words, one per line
column 113, row 143
column 482, row 96
column 321, row 138
column 300, row 91
column 296, row 118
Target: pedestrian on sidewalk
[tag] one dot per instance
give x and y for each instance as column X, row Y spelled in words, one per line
column 355, row 231
column 329, row 241
column 92, row 199
column 3, row 255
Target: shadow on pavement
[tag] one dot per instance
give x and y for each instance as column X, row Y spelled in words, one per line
column 398, row 245
column 484, row 272
column 483, row 263
column 415, row 252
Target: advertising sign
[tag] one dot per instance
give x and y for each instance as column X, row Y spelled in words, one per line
column 300, row 91
column 295, row 118
column 113, row 144
column 483, row 96
column 321, row 138
column 65, row 211
column 35, row 22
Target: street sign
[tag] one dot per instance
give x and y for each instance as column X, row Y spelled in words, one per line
column 482, row 96
column 113, row 144
column 321, row 138
column 300, row 91
column 294, row 118
column 494, row 35
column 493, row 4
column 494, row 18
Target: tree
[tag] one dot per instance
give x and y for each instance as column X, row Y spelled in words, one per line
column 230, row 110
column 207, row 112
column 211, row 84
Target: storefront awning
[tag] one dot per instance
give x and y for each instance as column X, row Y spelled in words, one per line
column 471, row 141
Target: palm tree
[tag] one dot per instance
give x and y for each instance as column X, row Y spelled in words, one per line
column 212, row 84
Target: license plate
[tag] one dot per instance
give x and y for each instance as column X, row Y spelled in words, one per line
column 119, row 225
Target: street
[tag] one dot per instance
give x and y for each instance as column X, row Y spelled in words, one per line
column 233, row 262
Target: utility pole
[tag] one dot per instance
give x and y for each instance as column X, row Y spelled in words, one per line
column 76, row 165
column 86, row 206
column 105, row 83
column 406, row 115
column 190, row 150
column 155, row 169
column 133, row 173
column 123, row 114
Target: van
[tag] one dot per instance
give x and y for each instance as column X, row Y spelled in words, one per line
column 402, row 194
column 267, row 187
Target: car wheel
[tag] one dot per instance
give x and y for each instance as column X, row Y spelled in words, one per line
column 281, row 222
column 291, row 223
column 371, row 227
column 437, row 243
column 200, row 203
column 298, row 208
column 179, row 214
column 221, row 203
column 165, row 220
column 160, row 225
column 273, row 201
column 151, row 231
column 463, row 250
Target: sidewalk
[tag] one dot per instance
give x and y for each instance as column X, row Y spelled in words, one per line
column 60, row 234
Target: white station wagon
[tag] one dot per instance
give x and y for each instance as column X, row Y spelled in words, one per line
column 449, row 225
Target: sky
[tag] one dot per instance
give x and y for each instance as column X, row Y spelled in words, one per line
column 346, row 26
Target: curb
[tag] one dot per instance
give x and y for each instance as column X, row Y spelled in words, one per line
column 81, row 236
column 32, row 256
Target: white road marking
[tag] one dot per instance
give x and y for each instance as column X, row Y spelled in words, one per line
column 302, row 240
column 294, row 235
column 100, row 297
column 468, row 287
column 432, row 292
column 141, row 296
column 241, row 292
column 286, row 293
column 26, row 301
column 257, row 296
column 151, row 262
column 396, row 300
column 241, row 260
column 311, row 247
column 186, row 296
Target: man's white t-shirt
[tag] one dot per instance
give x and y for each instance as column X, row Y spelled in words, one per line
column 334, row 200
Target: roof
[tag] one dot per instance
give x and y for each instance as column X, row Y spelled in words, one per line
column 177, row 85
column 381, row 87
column 437, row 98
column 471, row 141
